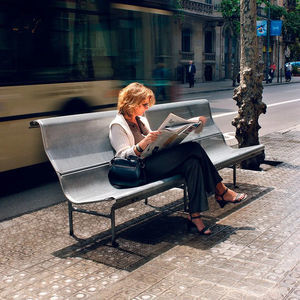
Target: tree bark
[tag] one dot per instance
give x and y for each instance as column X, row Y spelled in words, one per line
column 248, row 95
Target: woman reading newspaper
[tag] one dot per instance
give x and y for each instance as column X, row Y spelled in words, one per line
column 130, row 134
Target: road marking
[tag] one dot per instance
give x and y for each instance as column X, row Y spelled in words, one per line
column 283, row 102
column 268, row 105
column 229, row 135
column 225, row 114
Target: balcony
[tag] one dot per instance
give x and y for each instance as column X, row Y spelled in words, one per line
column 288, row 38
column 261, row 12
column 197, row 7
column 209, row 57
column 186, row 55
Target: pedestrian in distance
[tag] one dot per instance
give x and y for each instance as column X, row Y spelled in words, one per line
column 191, row 73
column 288, row 72
column 272, row 70
column 160, row 75
column 130, row 134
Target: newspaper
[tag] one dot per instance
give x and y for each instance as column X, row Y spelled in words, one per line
column 173, row 130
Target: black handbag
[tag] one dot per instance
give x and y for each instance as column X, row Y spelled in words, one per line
column 127, row 172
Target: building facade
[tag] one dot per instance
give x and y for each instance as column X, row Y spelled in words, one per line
column 201, row 36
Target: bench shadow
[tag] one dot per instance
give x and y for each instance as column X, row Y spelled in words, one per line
column 156, row 233
column 280, row 164
column 289, row 166
column 272, row 163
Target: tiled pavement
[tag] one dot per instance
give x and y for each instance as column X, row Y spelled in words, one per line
column 253, row 253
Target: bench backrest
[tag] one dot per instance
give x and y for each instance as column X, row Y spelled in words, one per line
column 77, row 142
column 185, row 109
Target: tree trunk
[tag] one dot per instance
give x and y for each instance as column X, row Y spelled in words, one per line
column 248, row 95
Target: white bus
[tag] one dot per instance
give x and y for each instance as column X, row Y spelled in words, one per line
column 72, row 56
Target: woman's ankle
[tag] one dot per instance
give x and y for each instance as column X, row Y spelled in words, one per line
column 220, row 188
column 196, row 214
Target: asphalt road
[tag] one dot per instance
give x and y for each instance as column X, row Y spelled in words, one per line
column 283, row 109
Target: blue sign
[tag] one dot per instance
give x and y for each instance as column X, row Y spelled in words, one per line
column 261, row 28
column 276, row 27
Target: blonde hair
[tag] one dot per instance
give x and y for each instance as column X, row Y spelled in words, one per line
column 132, row 96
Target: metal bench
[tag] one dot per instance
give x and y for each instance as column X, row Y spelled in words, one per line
column 79, row 149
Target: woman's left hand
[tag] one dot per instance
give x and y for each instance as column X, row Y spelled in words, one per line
column 202, row 119
column 197, row 119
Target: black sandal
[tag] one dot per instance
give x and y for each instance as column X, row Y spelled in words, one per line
column 223, row 202
column 191, row 225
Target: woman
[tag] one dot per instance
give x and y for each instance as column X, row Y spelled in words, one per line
column 130, row 134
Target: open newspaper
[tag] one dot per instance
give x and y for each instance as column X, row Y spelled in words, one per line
column 173, row 130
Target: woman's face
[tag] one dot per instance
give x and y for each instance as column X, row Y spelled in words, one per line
column 141, row 108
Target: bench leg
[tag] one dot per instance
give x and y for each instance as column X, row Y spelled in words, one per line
column 185, row 198
column 113, row 228
column 234, row 176
column 70, row 208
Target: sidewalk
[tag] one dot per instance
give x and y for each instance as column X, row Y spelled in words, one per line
column 253, row 253
column 223, row 85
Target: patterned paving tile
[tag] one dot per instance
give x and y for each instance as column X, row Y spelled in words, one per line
column 252, row 254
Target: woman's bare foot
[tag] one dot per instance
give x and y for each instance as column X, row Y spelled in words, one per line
column 195, row 218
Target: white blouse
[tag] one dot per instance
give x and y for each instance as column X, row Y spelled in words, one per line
column 121, row 137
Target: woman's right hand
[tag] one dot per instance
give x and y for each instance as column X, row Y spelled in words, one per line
column 151, row 137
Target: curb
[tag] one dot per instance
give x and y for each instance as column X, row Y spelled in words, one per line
column 232, row 88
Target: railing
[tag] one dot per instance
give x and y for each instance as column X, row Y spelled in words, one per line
column 209, row 56
column 217, row 7
column 261, row 12
column 288, row 38
column 197, row 7
column 186, row 55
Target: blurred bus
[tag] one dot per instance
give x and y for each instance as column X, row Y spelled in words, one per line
column 61, row 57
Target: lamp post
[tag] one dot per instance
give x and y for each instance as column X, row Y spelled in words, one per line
column 278, row 59
column 268, row 45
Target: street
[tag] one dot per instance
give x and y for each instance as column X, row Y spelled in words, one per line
column 283, row 109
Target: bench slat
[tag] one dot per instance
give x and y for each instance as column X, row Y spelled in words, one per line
column 78, row 141
column 93, row 186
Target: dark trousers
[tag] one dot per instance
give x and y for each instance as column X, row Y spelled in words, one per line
column 191, row 79
column 191, row 161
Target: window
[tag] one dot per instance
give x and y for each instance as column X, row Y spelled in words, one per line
column 208, row 42
column 186, row 40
